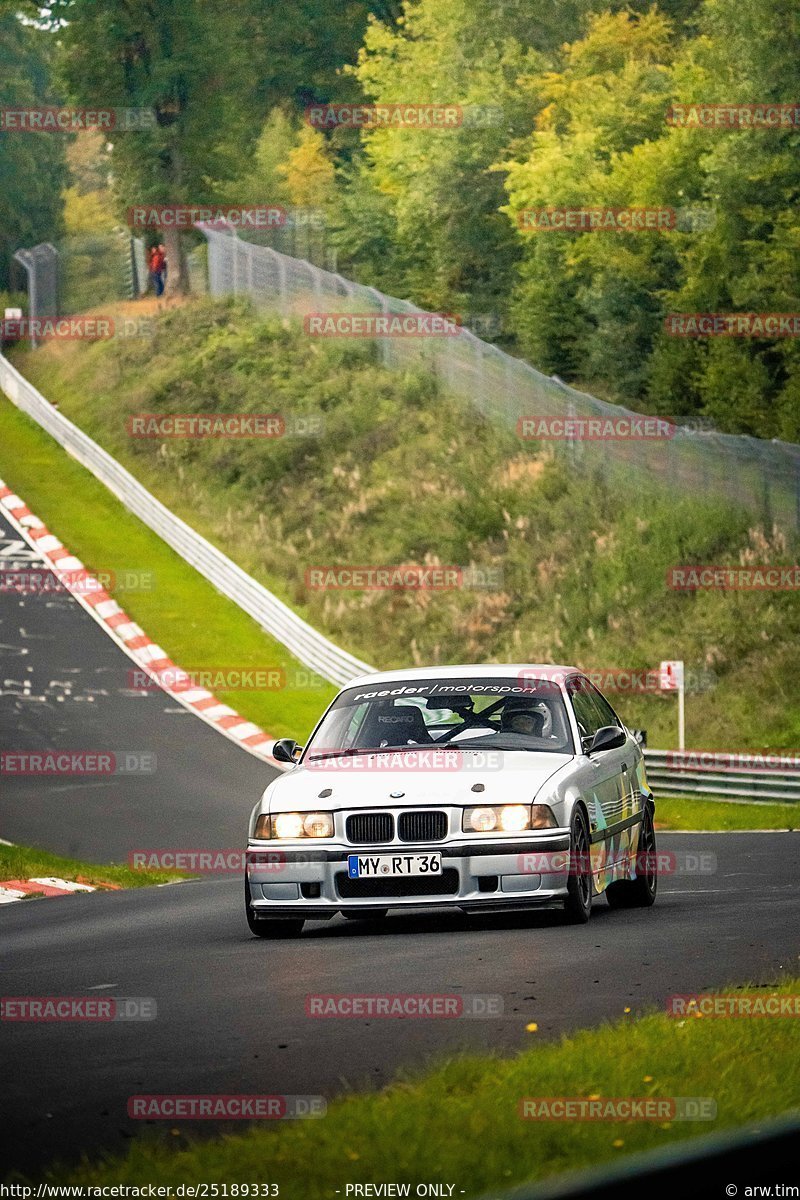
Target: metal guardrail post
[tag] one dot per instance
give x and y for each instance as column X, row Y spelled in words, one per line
column 41, row 265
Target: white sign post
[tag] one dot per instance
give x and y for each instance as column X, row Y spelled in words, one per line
column 671, row 680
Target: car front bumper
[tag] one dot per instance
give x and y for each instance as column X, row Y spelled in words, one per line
column 476, row 876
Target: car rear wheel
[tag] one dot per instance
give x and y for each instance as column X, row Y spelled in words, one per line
column 578, row 904
column 641, row 891
column 266, row 927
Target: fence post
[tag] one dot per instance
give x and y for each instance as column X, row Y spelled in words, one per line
column 250, row 285
column 41, row 267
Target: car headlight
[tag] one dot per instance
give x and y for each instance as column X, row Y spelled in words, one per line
column 497, row 818
column 295, row 825
column 507, row 818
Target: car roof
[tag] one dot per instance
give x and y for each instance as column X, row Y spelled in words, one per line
column 477, row 670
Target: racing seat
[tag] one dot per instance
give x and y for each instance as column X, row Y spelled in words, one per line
column 396, row 725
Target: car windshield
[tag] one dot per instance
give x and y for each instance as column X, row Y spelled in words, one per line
column 461, row 713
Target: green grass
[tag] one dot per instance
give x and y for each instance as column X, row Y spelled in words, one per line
column 405, row 474
column 28, row 862
column 459, row 1123
column 690, row 812
column 183, row 613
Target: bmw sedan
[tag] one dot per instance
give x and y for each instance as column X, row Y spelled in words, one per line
column 478, row 788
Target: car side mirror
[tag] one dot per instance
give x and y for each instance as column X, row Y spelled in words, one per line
column 609, row 737
column 286, row 750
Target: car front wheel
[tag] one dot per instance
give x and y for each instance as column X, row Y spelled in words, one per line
column 578, row 904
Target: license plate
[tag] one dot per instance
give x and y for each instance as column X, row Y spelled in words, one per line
column 391, row 866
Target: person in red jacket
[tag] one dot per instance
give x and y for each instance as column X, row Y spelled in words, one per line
column 157, row 265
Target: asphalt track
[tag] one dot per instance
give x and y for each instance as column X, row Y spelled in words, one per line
column 231, row 1008
column 231, row 1012
column 65, row 685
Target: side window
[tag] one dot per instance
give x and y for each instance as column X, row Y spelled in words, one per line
column 354, row 719
column 588, row 717
column 601, row 705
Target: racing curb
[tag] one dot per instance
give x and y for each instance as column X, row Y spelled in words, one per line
column 90, row 594
column 12, row 890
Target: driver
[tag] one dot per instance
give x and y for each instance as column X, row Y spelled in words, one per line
column 522, row 716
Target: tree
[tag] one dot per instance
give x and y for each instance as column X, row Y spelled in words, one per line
column 178, row 60
column 32, row 165
column 450, row 241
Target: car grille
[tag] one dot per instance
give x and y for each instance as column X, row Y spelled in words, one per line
column 445, row 884
column 365, row 829
column 422, row 826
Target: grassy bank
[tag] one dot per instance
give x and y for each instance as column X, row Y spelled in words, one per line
column 197, row 626
column 461, row 1123
column 28, row 862
column 692, row 812
column 402, row 474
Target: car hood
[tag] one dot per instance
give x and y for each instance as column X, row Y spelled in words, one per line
column 510, row 777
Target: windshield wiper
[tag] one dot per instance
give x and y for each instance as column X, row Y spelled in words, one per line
column 372, row 750
column 508, row 749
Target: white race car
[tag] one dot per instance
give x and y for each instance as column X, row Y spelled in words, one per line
column 475, row 787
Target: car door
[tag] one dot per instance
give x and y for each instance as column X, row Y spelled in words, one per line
column 603, row 780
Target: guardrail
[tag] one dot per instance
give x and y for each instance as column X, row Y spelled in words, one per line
column 671, row 771
column 276, row 618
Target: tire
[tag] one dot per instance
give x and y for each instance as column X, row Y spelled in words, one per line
column 641, row 891
column 266, row 927
column 578, row 904
column 377, row 914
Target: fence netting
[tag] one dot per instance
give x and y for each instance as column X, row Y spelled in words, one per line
column 760, row 476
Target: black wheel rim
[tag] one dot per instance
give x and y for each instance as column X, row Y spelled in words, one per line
column 648, row 847
column 583, row 871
